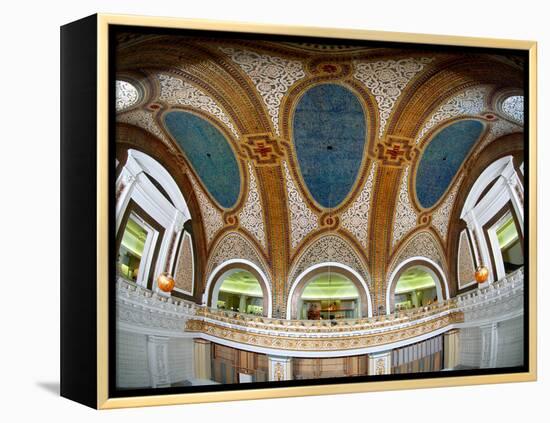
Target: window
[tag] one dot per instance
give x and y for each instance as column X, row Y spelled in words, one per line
column 240, row 291
column 329, row 296
column 127, row 95
column 131, row 249
column 509, row 243
column 415, row 288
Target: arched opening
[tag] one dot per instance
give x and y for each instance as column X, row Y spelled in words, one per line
column 329, row 291
column 417, row 282
column 493, row 212
column 151, row 213
column 415, row 287
column 329, row 296
column 241, row 288
column 240, row 291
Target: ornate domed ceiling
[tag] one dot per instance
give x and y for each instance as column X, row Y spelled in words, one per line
column 281, row 145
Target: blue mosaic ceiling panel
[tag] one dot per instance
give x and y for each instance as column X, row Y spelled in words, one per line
column 329, row 137
column 442, row 159
column 209, row 153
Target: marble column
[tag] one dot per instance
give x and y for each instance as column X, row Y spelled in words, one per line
column 280, row 368
column 379, row 363
column 202, row 358
column 451, row 348
column 489, row 345
column 157, row 355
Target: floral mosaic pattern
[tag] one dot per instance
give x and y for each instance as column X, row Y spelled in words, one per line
column 251, row 215
column 176, row 91
column 498, row 129
column 386, row 80
column 466, row 265
column 513, row 107
column 145, row 120
column 356, row 218
column 469, row 102
column 126, row 95
column 184, row 274
column 271, row 75
column 302, row 219
column 405, row 215
column 235, row 246
column 329, row 248
column 440, row 217
column 211, row 217
column 422, row 244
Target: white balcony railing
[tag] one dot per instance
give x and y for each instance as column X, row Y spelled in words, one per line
column 141, row 308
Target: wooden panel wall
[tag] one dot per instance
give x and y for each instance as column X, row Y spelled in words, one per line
column 425, row 356
column 316, row 368
column 228, row 362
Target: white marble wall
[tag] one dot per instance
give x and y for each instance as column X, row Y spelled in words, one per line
column 510, row 343
column 133, row 369
column 505, row 350
column 180, row 359
column 132, row 363
column 470, row 347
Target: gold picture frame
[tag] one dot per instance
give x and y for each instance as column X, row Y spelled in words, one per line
column 104, row 192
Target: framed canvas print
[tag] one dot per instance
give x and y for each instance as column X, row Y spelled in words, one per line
column 254, row 211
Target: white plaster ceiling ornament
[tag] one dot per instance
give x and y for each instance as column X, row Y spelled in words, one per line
column 177, row 91
column 235, row 246
column 441, row 216
column 386, row 80
column 512, row 107
column 126, row 95
column 405, row 215
column 272, row 76
column 251, row 215
column 211, row 217
column 356, row 218
column 145, row 120
column 497, row 129
column 302, row 219
column 329, row 248
column 468, row 102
